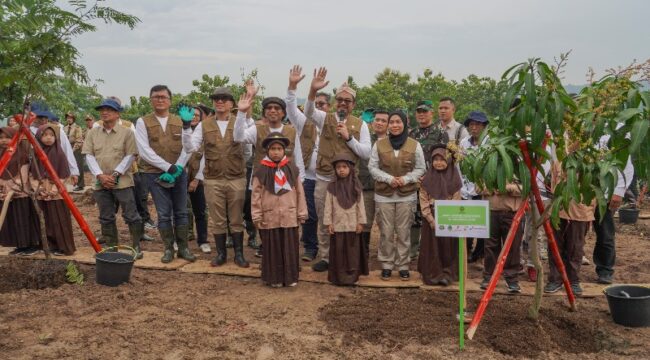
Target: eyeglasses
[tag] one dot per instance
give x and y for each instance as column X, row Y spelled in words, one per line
column 321, row 103
column 273, row 107
column 160, row 98
column 222, row 98
column 421, row 111
column 344, row 101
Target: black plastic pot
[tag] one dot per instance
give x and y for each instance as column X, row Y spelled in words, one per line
column 629, row 304
column 628, row 216
column 113, row 268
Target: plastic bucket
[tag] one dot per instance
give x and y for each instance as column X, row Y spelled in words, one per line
column 113, row 268
column 628, row 216
column 629, row 304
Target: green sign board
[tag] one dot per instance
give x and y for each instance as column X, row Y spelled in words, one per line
column 462, row 218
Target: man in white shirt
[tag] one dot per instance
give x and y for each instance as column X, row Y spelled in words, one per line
column 340, row 132
column 162, row 162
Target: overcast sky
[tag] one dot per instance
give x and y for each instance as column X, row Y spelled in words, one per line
column 178, row 41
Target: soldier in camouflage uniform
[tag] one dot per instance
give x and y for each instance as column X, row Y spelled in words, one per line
column 428, row 134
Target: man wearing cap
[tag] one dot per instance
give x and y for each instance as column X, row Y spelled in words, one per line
column 162, row 160
column 223, row 175
column 90, row 121
column 476, row 123
column 455, row 130
column 42, row 118
column 76, row 138
column 110, row 150
column 340, row 132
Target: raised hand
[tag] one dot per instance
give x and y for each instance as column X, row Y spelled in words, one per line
column 251, row 89
column 318, row 82
column 295, row 76
column 245, row 102
column 186, row 113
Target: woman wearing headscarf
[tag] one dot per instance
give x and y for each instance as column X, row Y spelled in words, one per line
column 396, row 163
column 20, row 228
column 278, row 207
column 438, row 260
column 58, row 221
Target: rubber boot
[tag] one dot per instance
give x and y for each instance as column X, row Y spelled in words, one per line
column 220, row 259
column 110, row 235
column 238, row 245
column 181, row 239
column 252, row 235
column 136, row 230
column 167, row 236
column 365, row 237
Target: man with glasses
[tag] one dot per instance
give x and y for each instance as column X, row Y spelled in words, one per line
column 162, row 160
column 340, row 132
column 224, row 174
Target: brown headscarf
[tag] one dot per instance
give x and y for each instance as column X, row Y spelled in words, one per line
column 55, row 155
column 442, row 185
column 19, row 158
column 266, row 170
column 345, row 190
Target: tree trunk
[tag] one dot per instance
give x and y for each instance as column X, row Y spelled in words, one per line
column 533, row 311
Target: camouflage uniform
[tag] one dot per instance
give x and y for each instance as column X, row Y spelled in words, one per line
column 427, row 137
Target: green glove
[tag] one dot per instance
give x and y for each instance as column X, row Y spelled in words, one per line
column 178, row 172
column 168, row 178
column 186, row 113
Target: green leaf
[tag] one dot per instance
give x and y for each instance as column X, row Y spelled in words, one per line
column 626, row 114
column 639, row 133
column 556, row 206
column 507, row 162
column 491, row 169
column 501, row 178
column 531, row 96
column 524, row 178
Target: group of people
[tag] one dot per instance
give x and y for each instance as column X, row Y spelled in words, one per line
column 322, row 169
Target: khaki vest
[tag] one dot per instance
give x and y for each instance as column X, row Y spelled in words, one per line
column 168, row 145
column 399, row 165
column 224, row 158
column 263, row 130
column 308, row 142
column 331, row 144
column 367, row 182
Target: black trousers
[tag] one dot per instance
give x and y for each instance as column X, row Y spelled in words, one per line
column 605, row 249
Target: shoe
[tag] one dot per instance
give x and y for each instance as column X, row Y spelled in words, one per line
column 404, row 275
column 149, row 225
column 29, row 252
column 485, row 283
column 443, row 282
column 17, row 251
column 175, row 246
column 252, row 235
column 146, row 237
column 552, row 287
column 308, row 256
column 220, row 259
column 205, row 248
column 585, row 261
column 386, row 273
column 276, row 285
column 77, row 189
column 513, row 287
column 293, row 284
column 167, row 236
column 577, row 289
column 258, row 252
column 238, row 245
column 604, row 279
column 58, row 253
column 320, row 266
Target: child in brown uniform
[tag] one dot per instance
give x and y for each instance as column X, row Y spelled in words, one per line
column 345, row 216
column 438, row 260
column 58, row 221
column 278, row 206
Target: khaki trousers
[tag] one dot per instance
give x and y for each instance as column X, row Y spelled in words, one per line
column 395, row 220
column 225, row 200
column 323, row 235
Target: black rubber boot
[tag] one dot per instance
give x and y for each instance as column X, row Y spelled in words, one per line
column 110, row 235
column 238, row 245
column 220, row 259
column 167, row 236
column 252, row 235
column 181, row 239
column 136, row 230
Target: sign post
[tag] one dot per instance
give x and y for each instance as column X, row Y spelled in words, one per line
column 462, row 219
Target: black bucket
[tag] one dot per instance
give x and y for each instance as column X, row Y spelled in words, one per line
column 628, row 216
column 629, row 304
column 113, row 268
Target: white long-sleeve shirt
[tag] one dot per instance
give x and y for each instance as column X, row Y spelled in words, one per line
column 361, row 147
column 95, row 169
column 67, row 150
column 625, row 177
column 148, row 154
column 412, row 177
column 248, row 135
column 298, row 120
column 193, row 139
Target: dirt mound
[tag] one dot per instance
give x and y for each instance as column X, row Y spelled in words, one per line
column 17, row 274
column 396, row 319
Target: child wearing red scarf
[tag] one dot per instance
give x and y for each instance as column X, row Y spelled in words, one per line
column 278, row 207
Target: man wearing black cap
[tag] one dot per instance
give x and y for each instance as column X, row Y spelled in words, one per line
column 110, row 150
column 224, row 174
column 42, row 118
column 162, row 162
column 76, row 138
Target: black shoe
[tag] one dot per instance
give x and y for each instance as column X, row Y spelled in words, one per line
column 320, row 266
column 17, row 251
column 485, row 283
column 577, row 289
column 552, row 287
column 604, row 279
column 238, row 246
column 443, row 282
column 221, row 257
column 513, row 287
column 308, row 256
column 386, row 273
column 404, row 275
column 29, row 252
column 258, row 252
